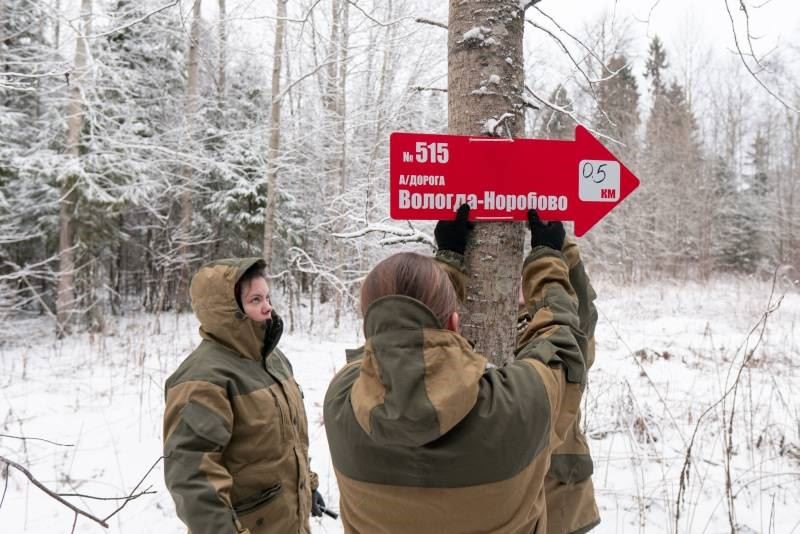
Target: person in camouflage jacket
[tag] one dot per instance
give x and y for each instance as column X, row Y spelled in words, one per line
column 235, row 429
column 425, row 435
column 571, row 506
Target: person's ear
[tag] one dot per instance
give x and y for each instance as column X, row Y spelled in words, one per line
column 452, row 322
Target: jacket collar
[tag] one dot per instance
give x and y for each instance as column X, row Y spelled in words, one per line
column 417, row 380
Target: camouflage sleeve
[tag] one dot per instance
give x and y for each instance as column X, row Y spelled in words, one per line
column 453, row 265
column 553, row 335
column 551, row 339
column 587, row 312
column 197, row 427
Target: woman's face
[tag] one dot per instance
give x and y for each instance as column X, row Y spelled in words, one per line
column 255, row 300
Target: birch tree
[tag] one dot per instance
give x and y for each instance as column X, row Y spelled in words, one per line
column 65, row 298
column 192, row 106
column 274, row 132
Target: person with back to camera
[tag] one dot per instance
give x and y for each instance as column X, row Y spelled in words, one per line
column 425, row 435
column 569, row 491
column 235, row 429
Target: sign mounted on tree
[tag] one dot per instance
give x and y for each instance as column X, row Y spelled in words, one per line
column 430, row 175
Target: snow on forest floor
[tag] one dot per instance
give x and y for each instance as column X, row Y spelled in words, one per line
column 666, row 354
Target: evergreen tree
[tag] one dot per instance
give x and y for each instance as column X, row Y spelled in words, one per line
column 618, row 105
column 29, row 144
column 555, row 124
column 672, row 164
column 617, row 115
column 656, row 65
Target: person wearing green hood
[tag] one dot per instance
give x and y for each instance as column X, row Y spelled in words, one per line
column 235, row 429
column 426, row 436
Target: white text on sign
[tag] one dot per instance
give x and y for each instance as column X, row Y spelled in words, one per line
column 491, row 201
column 428, row 153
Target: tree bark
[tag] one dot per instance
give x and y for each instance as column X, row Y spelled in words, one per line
column 492, row 46
column 65, row 299
column 222, row 60
column 182, row 301
column 340, row 112
column 57, row 29
column 274, row 134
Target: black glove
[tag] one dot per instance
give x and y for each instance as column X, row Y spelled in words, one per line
column 317, row 504
column 549, row 234
column 453, row 235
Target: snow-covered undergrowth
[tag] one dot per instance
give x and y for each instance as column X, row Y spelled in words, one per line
column 666, row 356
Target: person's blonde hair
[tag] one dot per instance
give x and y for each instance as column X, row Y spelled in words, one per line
column 415, row 276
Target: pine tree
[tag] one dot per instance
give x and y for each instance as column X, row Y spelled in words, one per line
column 556, row 124
column 672, row 163
column 617, row 115
column 617, row 112
column 656, row 65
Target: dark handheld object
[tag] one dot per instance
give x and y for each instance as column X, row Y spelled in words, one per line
column 318, row 506
column 329, row 513
column 549, row 234
column 453, row 235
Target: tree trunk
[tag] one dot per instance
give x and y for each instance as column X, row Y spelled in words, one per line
column 274, row 134
column 182, row 300
column 374, row 183
column 340, row 112
column 57, row 29
column 65, row 299
column 223, row 52
column 494, row 258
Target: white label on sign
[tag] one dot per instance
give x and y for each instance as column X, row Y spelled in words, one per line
column 598, row 180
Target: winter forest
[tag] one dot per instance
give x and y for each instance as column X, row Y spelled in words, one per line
column 142, row 139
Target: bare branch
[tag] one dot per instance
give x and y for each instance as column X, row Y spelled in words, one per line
column 35, row 439
column 5, row 485
column 743, row 9
column 131, row 495
column 42, row 487
column 35, row 76
column 133, row 22
column 375, row 228
column 290, row 86
column 749, row 69
column 420, row 88
column 577, row 40
column 530, row 4
column 589, row 81
column 419, row 237
column 373, row 19
column 431, row 22
column 572, row 115
column 127, row 497
column 78, row 511
column 760, row 326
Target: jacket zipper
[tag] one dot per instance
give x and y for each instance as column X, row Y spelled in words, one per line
column 280, row 413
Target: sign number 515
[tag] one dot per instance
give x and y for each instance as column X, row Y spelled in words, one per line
column 432, row 152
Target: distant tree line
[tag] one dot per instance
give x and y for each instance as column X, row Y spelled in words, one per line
column 161, row 141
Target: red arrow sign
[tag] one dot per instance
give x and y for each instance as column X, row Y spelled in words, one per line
column 431, row 175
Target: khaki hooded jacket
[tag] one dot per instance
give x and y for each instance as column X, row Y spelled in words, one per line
column 427, row 437
column 235, row 429
column 571, row 504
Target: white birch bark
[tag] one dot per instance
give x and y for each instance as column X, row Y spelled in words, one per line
column 65, row 298
column 274, row 133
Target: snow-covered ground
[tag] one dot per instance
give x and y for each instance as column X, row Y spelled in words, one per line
column 666, row 355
